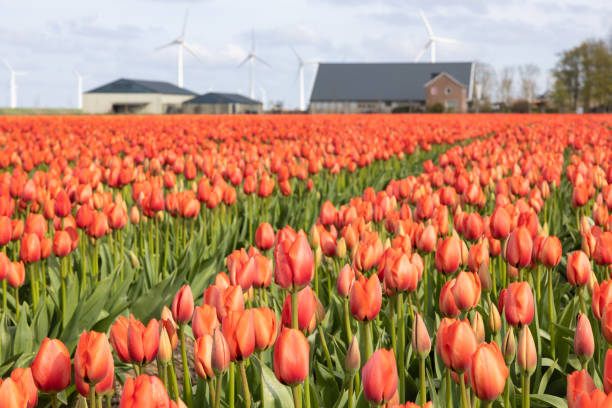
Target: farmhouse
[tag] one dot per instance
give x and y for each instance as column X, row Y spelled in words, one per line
column 135, row 96
column 222, row 103
column 391, row 87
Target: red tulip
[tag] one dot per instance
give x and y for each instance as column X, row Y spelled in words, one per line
column 578, row 268
column 62, row 205
column 421, row 343
column 473, row 227
column 594, row 399
column 30, row 248
column 526, row 356
column 294, row 263
column 426, row 242
column 307, row 307
column 12, row 394
column 400, row 274
column 368, row 252
column 366, row 298
column 264, row 236
column 602, row 295
column 457, row 344
column 518, row 304
column 500, row 223
column 603, row 249
column 203, row 355
column 62, row 243
column 23, row 378
column 142, row 343
column 488, row 372
column 224, row 299
column 144, row 391
column 15, row 274
column 584, row 343
column 220, row 356
column 578, row 382
column 6, row 230
column 447, row 299
column 182, row 305
column 379, row 377
column 51, row 366
column 519, row 248
column 346, row 277
column 606, row 322
column 241, row 271
column 607, row 374
column 328, row 213
column 239, row 332
column 550, row 251
column 291, row 357
column 263, row 270
column 266, row 327
column 118, row 338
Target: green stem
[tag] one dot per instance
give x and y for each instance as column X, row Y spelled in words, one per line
column 307, row 390
column 368, row 335
column 325, row 349
column 401, row 325
column 54, row 401
column 582, row 305
column 83, row 264
column 347, row 321
column 297, row 399
column 211, row 390
column 218, row 391
column 449, row 384
column 538, row 278
column 350, row 392
column 393, row 318
column 526, row 398
column 16, row 294
column 187, row 395
column 551, row 323
column 294, row 309
column 4, row 290
column 92, row 396
column 173, row 380
column 63, row 280
column 507, row 394
column 464, row 403
column 232, row 384
column 316, row 279
column 245, row 384
column 423, row 391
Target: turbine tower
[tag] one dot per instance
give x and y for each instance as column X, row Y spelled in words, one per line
column 13, row 83
column 251, row 58
column 431, row 42
column 79, row 78
column 302, row 63
column 182, row 45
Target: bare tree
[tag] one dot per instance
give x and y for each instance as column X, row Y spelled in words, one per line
column 505, row 84
column 528, row 75
column 484, row 76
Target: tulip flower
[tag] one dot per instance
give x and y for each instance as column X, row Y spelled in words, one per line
column 421, row 344
column 458, row 343
column 202, row 356
column 346, row 277
column 144, row 391
column 182, row 305
column 607, row 374
column 204, row 320
column 239, row 331
column 584, row 343
column 294, row 262
column 266, row 327
column 352, row 360
column 93, row 360
column 306, row 310
column 518, row 304
column 578, row 382
column 500, row 223
column 594, row 399
column 578, row 268
column 51, row 366
column 220, row 356
column 25, row 381
column 550, row 251
column 366, row 298
column 519, row 248
column 291, row 361
column 466, row 290
column 603, row 249
column 379, row 377
column 448, row 255
column 447, row 299
column 142, row 343
column 527, row 359
column 264, row 236
column 488, row 372
column 12, row 395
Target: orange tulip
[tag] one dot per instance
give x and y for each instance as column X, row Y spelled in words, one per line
column 93, row 359
column 62, row 205
column 62, row 243
column 30, row 248
column 578, row 382
column 346, row 277
column 182, row 305
column 606, row 322
column 266, row 327
column 400, row 274
column 603, row 249
column 12, row 395
column 526, row 356
column 144, row 391
column 264, row 236
column 457, row 344
column 379, row 377
column 518, row 303
column 584, row 343
column 366, row 298
column 239, row 332
column 6, row 230
column 202, row 356
column 23, row 378
column 466, row 291
column 291, row 357
column 15, row 274
column 220, row 357
column 500, row 223
column 519, row 247
column 142, row 343
column 488, row 372
column 550, row 251
column 607, row 374
column 473, row 227
column 594, row 399
column 204, row 320
column 447, row 299
column 578, row 268
column 51, row 366
column 448, row 255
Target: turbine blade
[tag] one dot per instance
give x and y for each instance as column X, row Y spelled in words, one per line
column 252, row 40
column 420, row 54
column 7, row 65
column 244, row 61
column 446, row 40
column 185, row 23
column 192, row 52
column 297, row 55
column 262, row 61
column 170, row 44
column 427, row 26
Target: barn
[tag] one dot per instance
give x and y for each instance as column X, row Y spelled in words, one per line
column 391, row 87
column 222, row 103
column 135, row 96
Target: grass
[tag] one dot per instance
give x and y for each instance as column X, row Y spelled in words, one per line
column 39, row 111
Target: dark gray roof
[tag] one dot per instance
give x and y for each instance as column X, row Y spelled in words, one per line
column 383, row 81
column 217, row 97
column 123, row 85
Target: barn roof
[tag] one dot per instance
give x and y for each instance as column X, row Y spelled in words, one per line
column 383, row 81
column 123, row 85
column 217, row 97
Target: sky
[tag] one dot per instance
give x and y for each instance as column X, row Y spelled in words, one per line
column 106, row 40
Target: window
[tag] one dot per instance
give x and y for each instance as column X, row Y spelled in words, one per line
column 448, row 91
column 433, row 90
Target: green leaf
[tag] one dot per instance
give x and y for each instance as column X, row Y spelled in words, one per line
column 550, row 400
column 23, row 336
column 276, row 394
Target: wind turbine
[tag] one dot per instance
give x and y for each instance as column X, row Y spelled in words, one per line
column 433, row 39
column 251, row 58
column 180, row 42
column 13, row 82
column 79, row 78
column 302, row 64
column 264, row 97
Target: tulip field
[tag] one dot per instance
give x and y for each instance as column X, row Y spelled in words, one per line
column 306, row 261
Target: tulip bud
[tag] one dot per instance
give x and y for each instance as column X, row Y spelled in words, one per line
column 509, row 346
column 220, row 359
column 421, row 342
column 182, row 305
column 494, row 318
column 478, row 327
column 584, row 343
column 319, row 311
column 313, row 235
column 318, row 256
column 352, row 361
column 81, row 402
column 164, row 353
column 341, row 248
column 134, row 259
column 485, row 277
column 526, row 356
